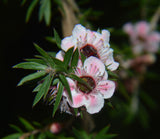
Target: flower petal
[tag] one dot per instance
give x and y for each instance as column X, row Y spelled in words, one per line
column 110, row 63
column 105, row 37
column 128, row 28
column 60, row 55
column 90, row 36
column 142, row 28
column 71, row 83
column 94, row 66
column 113, row 66
column 78, row 99
column 79, row 32
column 94, row 103
column 106, row 88
column 67, row 43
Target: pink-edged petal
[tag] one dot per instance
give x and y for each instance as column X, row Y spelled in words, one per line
column 67, row 43
column 155, row 36
column 60, row 55
column 94, row 103
column 110, row 63
column 94, row 66
column 113, row 66
column 71, row 83
column 106, row 37
column 142, row 28
column 79, row 32
column 90, row 36
column 78, row 99
column 106, row 88
column 105, row 76
column 98, row 38
column 128, row 28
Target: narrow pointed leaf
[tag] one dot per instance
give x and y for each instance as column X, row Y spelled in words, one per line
column 42, row 9
column 13, row 136
column 40, row 61
column 32, row 77
column 43, row 89
column 68, row 57
column 58, row 62
column 26, row 124
column 30, row 65
column 66, row 85
column 16, row 128
column 57, row 39
column 45, row 55
column 58, row 98
column 36, row 89
column 47, row 12
column 75, row 58
column 30, row 9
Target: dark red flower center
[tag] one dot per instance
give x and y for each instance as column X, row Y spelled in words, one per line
column 90, row 82
column 141, row 38
column 89, row 50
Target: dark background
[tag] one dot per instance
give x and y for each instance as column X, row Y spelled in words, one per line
column 16, row 44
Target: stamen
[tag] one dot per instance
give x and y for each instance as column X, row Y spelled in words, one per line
column 89, row 50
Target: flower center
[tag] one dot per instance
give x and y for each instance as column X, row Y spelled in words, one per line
column 90, row 82
column 141, row 38
column 88, row 50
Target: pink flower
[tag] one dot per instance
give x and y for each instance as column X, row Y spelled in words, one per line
column 142, row 38
column 93, row 72
column 55, row 128
column 91, row 43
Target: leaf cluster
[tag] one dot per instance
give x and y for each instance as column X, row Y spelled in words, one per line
column 48, row 70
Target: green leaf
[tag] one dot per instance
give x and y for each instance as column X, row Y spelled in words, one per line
column 80, row 80
column 47, row 12
column 57, row 39
column 58, row 98
column 32, row 77
column 68, row 57
column 104, row 135
column 83, row 57
column 40, row 61
column 66, row 85
column 36, row 89
column 75, row 58
column 30, row 65
column 81, row 134
column 59, row 3
column 30, row 9
column 112, row 73
column 59, row 68
column 16, row 128
column 13, row 136
column 41, row 136
column 43, row 90
column 58, row 62
column 23, row 2
column 26, row 124
column 50, row 39
column 45, row 55
column 52, row 54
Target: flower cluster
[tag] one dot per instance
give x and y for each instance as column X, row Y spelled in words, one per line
column 142, row 38
column 99, row 57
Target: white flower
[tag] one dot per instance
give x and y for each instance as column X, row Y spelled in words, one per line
column 91, row 43
column 93, row 72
